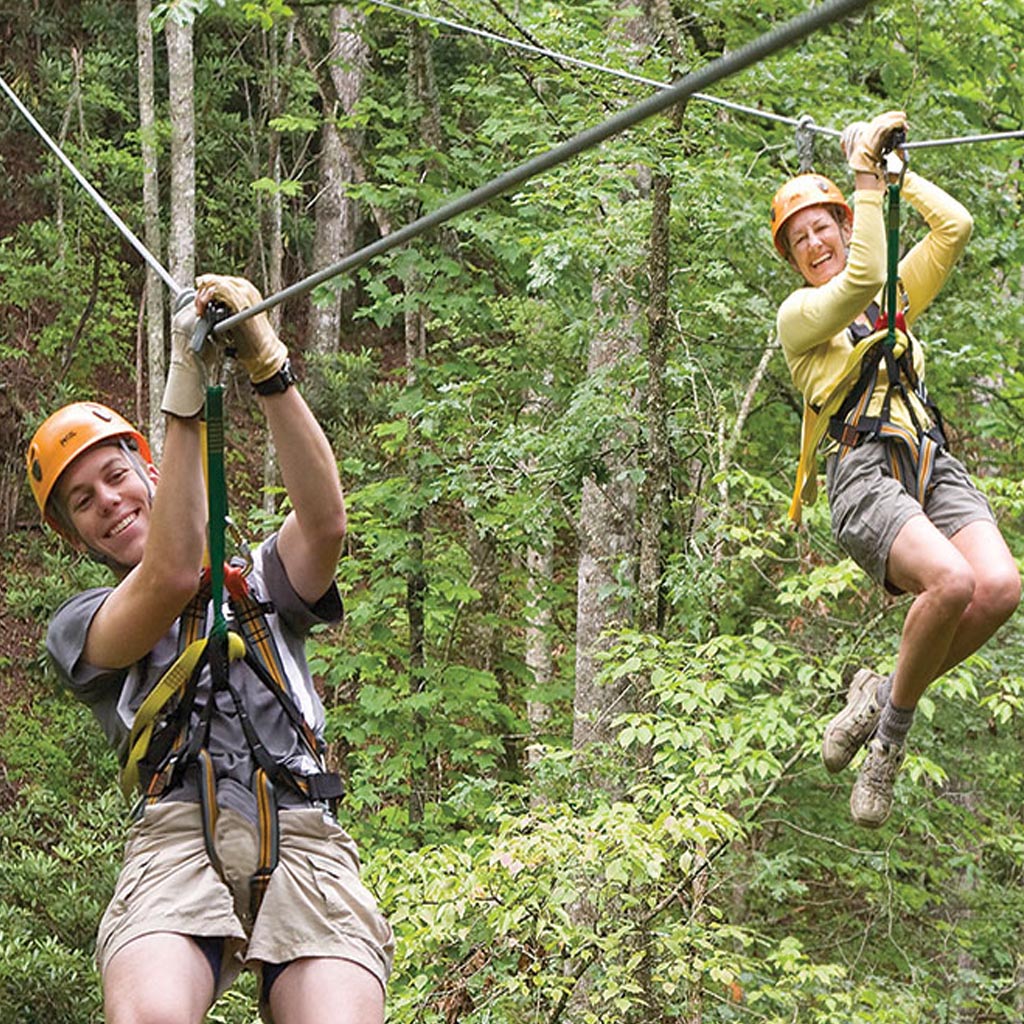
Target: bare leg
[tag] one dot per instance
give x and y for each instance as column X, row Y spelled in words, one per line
column 996, row 589
column 305, row 987
column 924, row 563
column 162, row 978
column 966, row 588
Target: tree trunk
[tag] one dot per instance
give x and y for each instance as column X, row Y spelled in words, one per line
column 421, row 94
column 154, row 296
column 416, row 581
column 656, row 461
column 540, row 565
column 181, row 247
column 607, row 530
column 279, row 52
column 337, row 216
column 275, row 223
column 74, row 102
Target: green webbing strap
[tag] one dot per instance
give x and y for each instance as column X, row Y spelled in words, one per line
column 218, row 504
column 893, row 244
column 895, row 178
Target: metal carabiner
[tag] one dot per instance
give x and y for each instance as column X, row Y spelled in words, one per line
column 894, row 157
column 204, row 335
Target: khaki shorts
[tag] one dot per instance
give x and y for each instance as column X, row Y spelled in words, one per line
column 314, row 906
column 870, row 506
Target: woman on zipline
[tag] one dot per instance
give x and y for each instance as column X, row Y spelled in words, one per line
column 902, row 507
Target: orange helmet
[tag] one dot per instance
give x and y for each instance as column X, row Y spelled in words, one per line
column 63, row 436
column 797, row 194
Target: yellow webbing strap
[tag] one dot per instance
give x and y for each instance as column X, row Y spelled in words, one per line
column 208, row 806
column 171, row 683
column 815, row 424
column 266, row 804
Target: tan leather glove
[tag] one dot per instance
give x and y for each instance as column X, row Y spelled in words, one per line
column 187, row 373
column 260, row 350
column 862, row 141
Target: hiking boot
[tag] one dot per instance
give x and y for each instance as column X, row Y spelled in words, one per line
column 854, row 725
column 871, row 797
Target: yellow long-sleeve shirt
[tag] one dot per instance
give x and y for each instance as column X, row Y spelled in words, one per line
column 812, row 322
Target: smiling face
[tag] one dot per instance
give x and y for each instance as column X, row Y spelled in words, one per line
column 107, row 502
column 817, row 243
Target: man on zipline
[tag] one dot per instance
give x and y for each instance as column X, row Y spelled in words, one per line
column 235, row 857
column 902, row 507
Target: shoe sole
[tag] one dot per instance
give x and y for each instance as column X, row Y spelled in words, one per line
column 870, row 822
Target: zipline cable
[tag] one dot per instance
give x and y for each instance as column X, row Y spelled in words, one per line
column 802, row 123
column 565, row 58
column 778, row 38
column 957, row 139
column 796, row 122
column 137, row 245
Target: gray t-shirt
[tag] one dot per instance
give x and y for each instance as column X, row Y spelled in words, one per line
column 115, row 695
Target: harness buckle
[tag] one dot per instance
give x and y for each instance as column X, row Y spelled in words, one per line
column 850, row 436
column 325, row 788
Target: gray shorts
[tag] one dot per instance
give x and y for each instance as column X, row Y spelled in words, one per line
column 870, row 506
column 314, row 906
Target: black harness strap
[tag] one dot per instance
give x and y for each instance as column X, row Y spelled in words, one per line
column 178, row 745
column 851, row 425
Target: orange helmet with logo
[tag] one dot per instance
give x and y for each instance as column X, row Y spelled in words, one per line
column 797, row 194
column 67, row 433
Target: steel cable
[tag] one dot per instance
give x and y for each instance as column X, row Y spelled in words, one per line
column 778, row 38
column 136, row 244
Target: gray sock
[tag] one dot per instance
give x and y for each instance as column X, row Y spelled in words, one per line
column 894, row 724
column 883, row 691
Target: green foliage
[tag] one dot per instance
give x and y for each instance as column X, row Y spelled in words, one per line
column 34, row 594
column 520, row 889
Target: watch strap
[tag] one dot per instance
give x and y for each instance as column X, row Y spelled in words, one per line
column 280, row 381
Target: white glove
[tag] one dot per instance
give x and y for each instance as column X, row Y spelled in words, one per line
column 185, row 389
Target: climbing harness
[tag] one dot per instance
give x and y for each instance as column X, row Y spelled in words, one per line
column 169, row 735
column 845, row 415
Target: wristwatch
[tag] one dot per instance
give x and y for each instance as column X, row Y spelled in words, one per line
column 281, row 381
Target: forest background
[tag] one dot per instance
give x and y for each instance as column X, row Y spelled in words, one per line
column 579, row 693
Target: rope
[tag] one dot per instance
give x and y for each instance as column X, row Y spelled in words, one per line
column 957, row 139
column 175, row 288
column 737, row 60
column 541, row 51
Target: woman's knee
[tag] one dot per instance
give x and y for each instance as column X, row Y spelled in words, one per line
column 998, row 590
column 953, row 586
